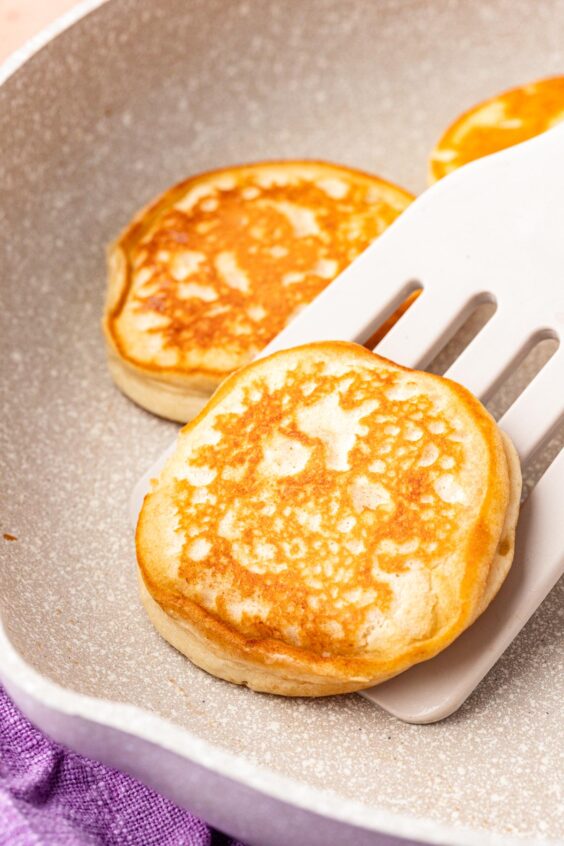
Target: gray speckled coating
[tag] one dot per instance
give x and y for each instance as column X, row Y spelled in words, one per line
column 137, row 96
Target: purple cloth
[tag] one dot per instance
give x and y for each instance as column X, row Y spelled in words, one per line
column 50, row 796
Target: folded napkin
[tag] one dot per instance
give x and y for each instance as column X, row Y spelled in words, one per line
column 50, row 796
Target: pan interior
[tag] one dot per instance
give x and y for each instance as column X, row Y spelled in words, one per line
column 139, row 95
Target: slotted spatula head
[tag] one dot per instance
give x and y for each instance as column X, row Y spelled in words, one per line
column 490, row 231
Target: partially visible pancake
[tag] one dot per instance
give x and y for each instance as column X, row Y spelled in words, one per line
column 497, row 123
column 207, row 275
column 328, row 520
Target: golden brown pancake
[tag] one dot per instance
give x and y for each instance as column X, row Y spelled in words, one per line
column 328, row 520
column 207, row 275
column 497, row 123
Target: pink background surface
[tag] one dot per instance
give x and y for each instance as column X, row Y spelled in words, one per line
column 20, row 19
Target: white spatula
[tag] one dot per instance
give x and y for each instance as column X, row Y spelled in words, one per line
column 493, row 230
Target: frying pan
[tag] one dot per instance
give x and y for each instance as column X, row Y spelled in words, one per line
column 129, row 97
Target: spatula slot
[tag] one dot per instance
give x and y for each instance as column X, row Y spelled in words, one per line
column 391, row 321
column 433, row 320
column 527, row 363
column 386, row 318
column 536, row 466
column 482, row 312
column 535, row 414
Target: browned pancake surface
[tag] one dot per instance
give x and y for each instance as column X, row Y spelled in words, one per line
column 333, row 508
column 218, row 266
column 497, row 123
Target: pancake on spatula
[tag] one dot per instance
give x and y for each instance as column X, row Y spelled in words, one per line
column 328, row 520
column 497, row 123
column 207, row 275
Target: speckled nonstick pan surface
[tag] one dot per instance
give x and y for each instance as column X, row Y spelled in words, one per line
column 133, row 97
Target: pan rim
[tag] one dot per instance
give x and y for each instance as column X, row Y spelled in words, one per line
column 134, row 721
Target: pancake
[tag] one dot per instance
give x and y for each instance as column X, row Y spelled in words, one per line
column 497, row 123
column 328, row 520
column 208, row 274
